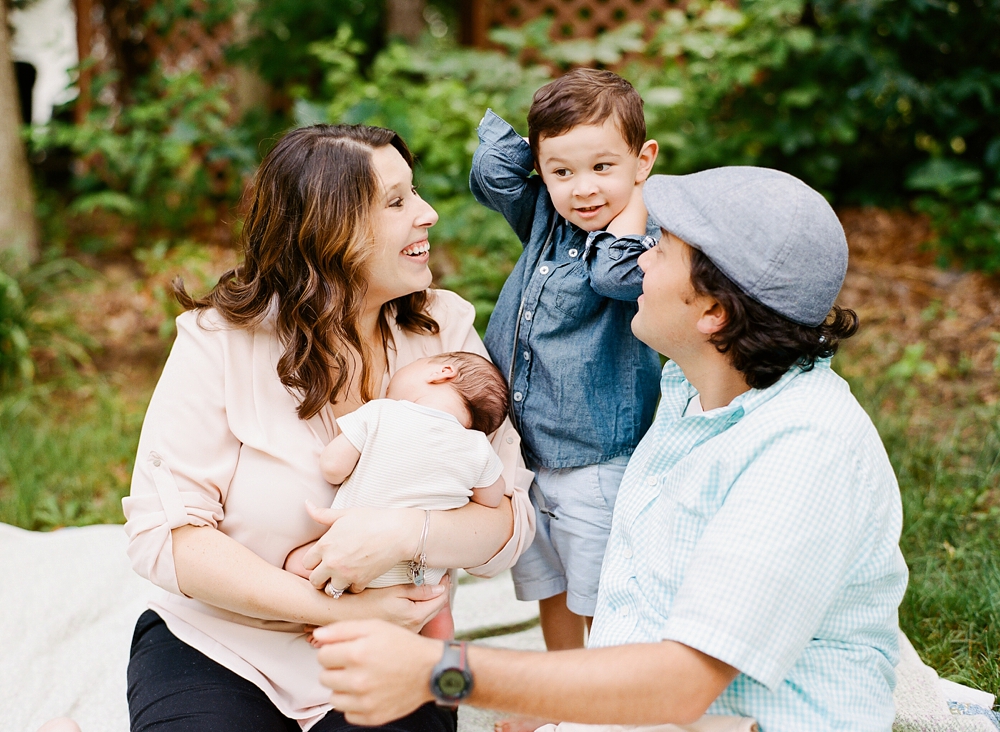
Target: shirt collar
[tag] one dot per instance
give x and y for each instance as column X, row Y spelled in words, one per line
column 676, row 391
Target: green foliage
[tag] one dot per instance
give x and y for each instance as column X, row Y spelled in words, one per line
column 281, row 34
column 168, row 161
column 16, row 366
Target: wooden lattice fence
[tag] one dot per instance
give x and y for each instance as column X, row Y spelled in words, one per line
column 571, row 18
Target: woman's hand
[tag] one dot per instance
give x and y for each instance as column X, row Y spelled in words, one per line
column 407, row 606
column 361, row 544
column 376, row 673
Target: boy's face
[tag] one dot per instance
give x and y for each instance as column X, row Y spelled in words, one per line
column 590, row 173
column 669, row 307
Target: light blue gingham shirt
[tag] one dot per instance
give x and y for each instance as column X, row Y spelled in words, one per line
column 765, row 534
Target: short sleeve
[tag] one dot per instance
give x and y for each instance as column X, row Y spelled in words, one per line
column 355, row 426
column 492, row 469
column 768, row 565
column 187, row 453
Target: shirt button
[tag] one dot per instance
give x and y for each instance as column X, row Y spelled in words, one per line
column 623, row 612
column 510, row 440
column 156, row 463
column 518, row 396
column 573, row 252
column 527, row 315
column 527, row 355
column 627, row 553
column 544, row 269
column 652, row 480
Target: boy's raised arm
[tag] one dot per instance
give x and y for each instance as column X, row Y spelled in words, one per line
column 501, row 174
column 611, row 260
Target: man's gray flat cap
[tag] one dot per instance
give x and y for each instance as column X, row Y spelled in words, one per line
column 770, row 233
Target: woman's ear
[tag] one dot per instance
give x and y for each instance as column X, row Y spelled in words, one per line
column 647, row 156
column 713, row 318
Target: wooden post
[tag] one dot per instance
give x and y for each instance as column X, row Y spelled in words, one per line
column 474, row 16
column 84, row 35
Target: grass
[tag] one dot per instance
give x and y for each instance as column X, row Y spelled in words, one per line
column 66, row 454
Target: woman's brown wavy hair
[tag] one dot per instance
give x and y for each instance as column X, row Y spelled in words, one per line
column 307, row 238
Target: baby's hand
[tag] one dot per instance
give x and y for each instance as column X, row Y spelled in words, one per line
column 632, row 219
column 294, row 561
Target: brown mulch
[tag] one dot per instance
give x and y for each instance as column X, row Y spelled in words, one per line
column 904, row 299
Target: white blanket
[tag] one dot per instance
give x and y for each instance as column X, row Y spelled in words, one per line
column 70, row 601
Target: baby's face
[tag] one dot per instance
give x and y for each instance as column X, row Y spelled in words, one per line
column 412, row 379
column 589, row 172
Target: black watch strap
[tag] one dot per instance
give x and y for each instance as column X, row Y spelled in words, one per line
column 451, row 680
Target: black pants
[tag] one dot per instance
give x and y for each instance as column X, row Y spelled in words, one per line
column 174, row 688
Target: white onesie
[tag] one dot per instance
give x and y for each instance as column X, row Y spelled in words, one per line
column 413, row 457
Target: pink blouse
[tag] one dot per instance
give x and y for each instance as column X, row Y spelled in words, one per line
column 222, row 446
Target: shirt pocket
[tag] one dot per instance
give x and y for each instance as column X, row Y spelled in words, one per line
column 573, row 294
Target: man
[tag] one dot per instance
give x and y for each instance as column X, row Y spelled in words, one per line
column 753, row 567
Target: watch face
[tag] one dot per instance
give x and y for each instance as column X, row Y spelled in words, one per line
column 452, row 682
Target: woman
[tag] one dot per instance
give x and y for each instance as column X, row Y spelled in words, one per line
column 330, row 300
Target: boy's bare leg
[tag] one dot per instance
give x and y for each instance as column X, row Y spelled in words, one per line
column 563, row 630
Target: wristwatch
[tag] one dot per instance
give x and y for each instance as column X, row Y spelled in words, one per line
column 451, row 680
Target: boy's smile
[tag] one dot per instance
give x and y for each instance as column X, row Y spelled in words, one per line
column 590, row 173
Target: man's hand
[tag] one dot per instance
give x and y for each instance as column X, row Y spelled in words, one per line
column 376, row 671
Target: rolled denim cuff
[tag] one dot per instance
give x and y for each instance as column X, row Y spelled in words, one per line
column 617, row 246
column 495, row 131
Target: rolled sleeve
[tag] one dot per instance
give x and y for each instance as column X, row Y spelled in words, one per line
column 612, row 264
column 768, row 565
column 501, row 177
column 186, row 456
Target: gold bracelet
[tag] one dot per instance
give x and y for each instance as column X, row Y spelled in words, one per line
column 419, row 562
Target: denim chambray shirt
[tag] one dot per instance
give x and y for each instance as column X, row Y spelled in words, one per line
column 583, row 389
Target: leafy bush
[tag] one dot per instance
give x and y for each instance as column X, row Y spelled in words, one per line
column 170, row 160
column 868, row 101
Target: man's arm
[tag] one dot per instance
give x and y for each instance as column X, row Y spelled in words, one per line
column 378, row 673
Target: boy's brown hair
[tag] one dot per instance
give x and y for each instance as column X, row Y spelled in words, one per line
column 586, row 97
column 481, row 386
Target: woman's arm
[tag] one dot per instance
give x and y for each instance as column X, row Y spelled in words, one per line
column 364, row 543
column 219, row 571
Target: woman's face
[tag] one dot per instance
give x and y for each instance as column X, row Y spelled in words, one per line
column 402, row 218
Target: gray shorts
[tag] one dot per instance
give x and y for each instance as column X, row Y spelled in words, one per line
column 573, row 510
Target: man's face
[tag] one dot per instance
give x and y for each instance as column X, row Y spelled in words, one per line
column 589, row 172
column 669, row 308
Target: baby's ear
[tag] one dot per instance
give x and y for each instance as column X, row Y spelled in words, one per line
column 442, row 374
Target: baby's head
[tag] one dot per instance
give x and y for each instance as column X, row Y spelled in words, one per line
column 588, row 139
column 478, row 385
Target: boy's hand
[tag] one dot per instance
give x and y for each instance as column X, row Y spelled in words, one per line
column 632, row 219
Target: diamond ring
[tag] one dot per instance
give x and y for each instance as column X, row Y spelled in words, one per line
column 333, row 591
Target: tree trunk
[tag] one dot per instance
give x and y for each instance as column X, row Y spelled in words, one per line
column 18, row 231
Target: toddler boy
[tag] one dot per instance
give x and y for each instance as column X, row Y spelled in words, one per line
column 423, row 446
column 583, row 389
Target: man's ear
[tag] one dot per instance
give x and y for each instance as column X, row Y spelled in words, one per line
column 647, row 156
column 713, row 318
column 442, row 374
